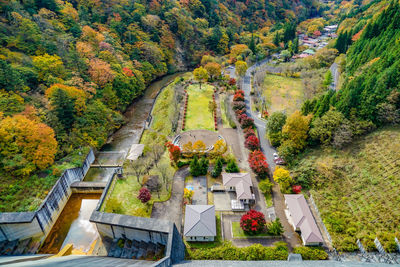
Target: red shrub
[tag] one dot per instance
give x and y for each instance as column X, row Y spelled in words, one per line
column 252, row 143
column 258, row 164
column 248, row 132
column 246, row 121
column 238, row 96
column 296, row 189
column 232, row 82
column 253, row 222
column 144, row 195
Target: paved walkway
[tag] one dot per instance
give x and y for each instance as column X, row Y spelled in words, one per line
column 200, row 190
column 171, row 210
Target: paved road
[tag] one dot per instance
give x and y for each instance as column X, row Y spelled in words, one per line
column 335, row 76
column 290, row 236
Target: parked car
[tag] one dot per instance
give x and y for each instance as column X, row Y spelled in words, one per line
column 278, row 160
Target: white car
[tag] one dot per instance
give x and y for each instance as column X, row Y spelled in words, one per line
column 276, row 156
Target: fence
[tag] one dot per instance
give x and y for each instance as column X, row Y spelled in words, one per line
column 23, row 225
column 320, row 219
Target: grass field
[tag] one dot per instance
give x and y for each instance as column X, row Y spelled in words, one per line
column 126, row 191
column 198, row 116
column 357, row 189
column 239, row 233
column 283, row 93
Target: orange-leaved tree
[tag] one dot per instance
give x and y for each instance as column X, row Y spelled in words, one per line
column 26, row 145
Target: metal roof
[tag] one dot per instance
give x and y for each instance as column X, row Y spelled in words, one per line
column 242, row 183
column 200, row 220
column 303, row 218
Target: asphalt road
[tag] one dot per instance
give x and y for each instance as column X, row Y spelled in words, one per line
column 289, row 235
column 335, row 75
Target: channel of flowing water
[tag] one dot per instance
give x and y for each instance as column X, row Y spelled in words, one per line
column 73, row 225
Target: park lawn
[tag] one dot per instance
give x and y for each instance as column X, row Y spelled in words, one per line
column 126, row 190
column 217, row 240
column 198, row 115
column 283, row 93
column 239, row 233
column 356, row 189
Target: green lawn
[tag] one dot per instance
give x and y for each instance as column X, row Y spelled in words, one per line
column 198, row 115
column 126, row 190
column 283, row 93
column 357, row 189
column 239, row 233
column 268, row 199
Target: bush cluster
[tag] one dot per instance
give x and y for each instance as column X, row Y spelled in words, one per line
column 254, row 252
column 308, row 253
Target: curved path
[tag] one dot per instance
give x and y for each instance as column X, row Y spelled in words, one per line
column 290, row 236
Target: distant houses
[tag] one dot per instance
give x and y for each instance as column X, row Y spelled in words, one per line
column 300, row 217
column 200, row 223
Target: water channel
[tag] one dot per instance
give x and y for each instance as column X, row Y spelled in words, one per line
column 73, row 225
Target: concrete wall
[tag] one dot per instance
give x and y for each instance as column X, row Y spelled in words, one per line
column 23, row 225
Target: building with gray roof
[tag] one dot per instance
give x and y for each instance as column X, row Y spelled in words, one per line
column 300, row 217
column 240, row 183
column 200, row 223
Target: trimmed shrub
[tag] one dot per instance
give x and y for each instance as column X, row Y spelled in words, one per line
column 253, row 222
column 308, row 253
column 232, row 167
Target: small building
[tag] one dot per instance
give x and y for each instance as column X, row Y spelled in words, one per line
column 200, row 223
column 300, row 217
column 241, row 184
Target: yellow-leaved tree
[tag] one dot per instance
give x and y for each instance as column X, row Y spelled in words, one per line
column 26, row 145
column 201, row 75
column 283, row 178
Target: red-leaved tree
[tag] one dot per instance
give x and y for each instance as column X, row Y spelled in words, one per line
column 246, row 121
column 258, row 164
column 174, row 152
column 252, row 143
column 144, row 195
column 253, row 222
column 239, row 96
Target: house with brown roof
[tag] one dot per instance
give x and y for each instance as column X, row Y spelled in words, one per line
column 300, row 217
column 200, row 223
column 241, row 184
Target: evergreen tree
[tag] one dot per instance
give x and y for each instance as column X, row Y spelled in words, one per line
column 217, row 168
column 232, row 167
column 203, row 166
column 277, row 39
column 195, row 167
column 64, row 108
column 252, row 45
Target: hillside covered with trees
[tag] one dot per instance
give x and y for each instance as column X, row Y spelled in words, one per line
column 70, row 69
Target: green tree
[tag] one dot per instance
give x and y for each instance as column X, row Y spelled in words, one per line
column 265, row 186
column 217, row 168
column 232, row 167
column 201, row 75
column 296, row 129
column 323, row 128
column 274, row 125
column 194, row 167
column 64, row 108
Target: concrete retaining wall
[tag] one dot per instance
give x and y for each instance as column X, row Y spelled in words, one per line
column 23, row 225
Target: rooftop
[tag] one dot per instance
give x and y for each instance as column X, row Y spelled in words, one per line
column 303, row 218
column 242, row 183
column 200, row 220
